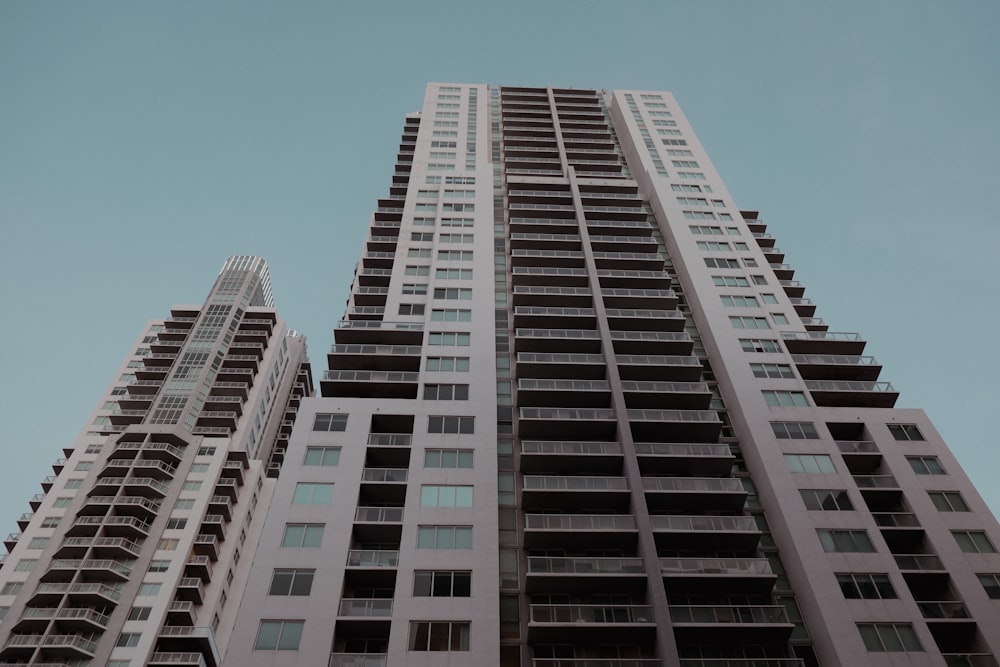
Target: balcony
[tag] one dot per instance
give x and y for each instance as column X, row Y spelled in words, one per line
column 375, row 357
column 549, row 275
column 181, row 613
column 685, row 425
column 657, row 343
column 556, row 365
column 357, row 660
column 368, row 332
column 164, row 659
column 684, row 458
column 373, row 558
column 896, row 521
column 623, row 297
column 572, row 574
column 705, row 531
column 536, row 392
column 946, row 611
column 823, row 343
column 378, row 524
column 575, row 492
column 578, row 530
column 214, row 524
column 191, row 589
column 763, row 623
column 370, row 384
column 847, row 393
column 574, row 341
column 91, row 594
column 749, row 575
column 80, row 619
column 365, row 607
column 642, row 367
column 580, row 423
column 104, row 547
column 911, row 563
column 650, row 394
column 616, row 278
column 390, row 439
column 221, row 505
column 969, row 659
column 665, row 494
column 837, row 367
column 569, row 456
column 554, row 317
column 577, row 623
column 206, row 545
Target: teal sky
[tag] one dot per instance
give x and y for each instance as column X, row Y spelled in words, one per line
column 141, row 143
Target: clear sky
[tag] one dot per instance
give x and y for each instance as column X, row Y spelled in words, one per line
column 141, row 143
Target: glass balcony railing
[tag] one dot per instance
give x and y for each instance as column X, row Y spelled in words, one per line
column 357, row 660
column 572, row 614
column 569, row 447
column 365, row 607
column 574, row 483
column 372, row 558
column 699, row 523
column 573, row 565
column 695, row 484
column 721, row 566
column 379, row 515
column 579, row 522
column 728, row 614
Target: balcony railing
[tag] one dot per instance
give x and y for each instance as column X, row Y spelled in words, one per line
column 590, row 613
column 728, row 614
column 573, row 565
column 379, row 514
column 727, row 566
column 696, row 484
column 699, row 523
column 372, row 558
column 579, row 521
column 390, row 439
column 384, row 475
column 569, row 447
column 357, row 660
column 574, row 483
column 365, row 607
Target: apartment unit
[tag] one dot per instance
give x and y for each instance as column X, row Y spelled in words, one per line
column 580, row 413
column 138, row 549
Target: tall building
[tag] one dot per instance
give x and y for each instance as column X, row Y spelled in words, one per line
column 578, row 414
column 139, row 548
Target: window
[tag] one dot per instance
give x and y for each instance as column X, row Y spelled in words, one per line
column 199, row 467
column 38, row 543
column 50, row 522
column 206, row 451
column 457, row 222
column 184, row 504
column 785, row 399
column 845, row 541
column 128, row 639
column 713, row 245
column 456, row 338
column 168, row 544
column 702, row 215
column 448, row 458
column 456, row 238
column 310, row 493
column 768, row 298
column 740, row 322
column 436, row 424
column 411, row 309
column 446, row 392
column 176, row 524
column 25, row 565
column 889, row 637
column 948, row 501
column 291, row 582
column 450, row 314
column 413, row 288
column 813, row 464
column 866, row 586
column 330, row 422
column 322, row 456
column 159, row 565
column 828, row 500
column 991, row 582
column 308, row 535
column 453, row 274
column 444, row 495
column 139, row 613
column 974, row 542
column 439, row 636
column 468, row 208
column 11, row 588
column 453, row 293
column 191, row 486
column 422, row 237
column 84, row 465
column 731, row 301
column 444, row 537
column 414, row 270
column 721, row 263
column 926, row 465
column 73, row 484
column 149, row 589
column 749, row 261
column 418, row 252
column 794, row 430
column 442, row 584
column 730, row 281
column 761, row 345
column 454, row 255
column 454, row 364
column 279, row 636
column 779, row 318
column 905, row 431
column 772, row 371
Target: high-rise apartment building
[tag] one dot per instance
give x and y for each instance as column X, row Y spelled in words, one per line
column 578, row 414
column 139, row 549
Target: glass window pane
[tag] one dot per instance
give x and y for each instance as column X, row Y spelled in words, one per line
column 291, row 634
column 463, row 538
column 267, row 636
column 426, row 538
column 463, row 496
column 422, row 584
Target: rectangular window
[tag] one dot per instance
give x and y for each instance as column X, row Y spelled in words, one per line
column 139, row 613
column 845, row 541
column 721, row 263
column 446, row 392
column 168, row 544
column 310, row 493
column 730, row 281
column 785, row 399
column 713, row 246
column 191, row 486
column 291, row 582
column 905, row 431
column 948, row 501
column 457, row 222
column 418, row 252
column 991, row 582
column 322, row 456
column 451, row 315
column 442, row 424
column 445, row 495
column 794, row 430
column 456, row 238
column 330, row 422
column 453, row 274
column 453, row 293
column 857, row 586
column 926, row 465
column 176, row 524
column 439, row 636
column 414, row 288
column 974, row 542
column 759, row 345
column 38, row 543
column 772, row 371
column 25, row 565
column 779, row 318
column 414, row 270
column 448, row 458
column 449, row 364
column 812, row 464
column 438, row 584
column 11, row 588
column 128, row 639
column 444, row 537
column 889, row 637
column 149, row 589
column 159, row 565
column 309, row 535
column 455, row 255
column 422, row 237
column 735, row 301
column 279, row 636
column 740, row 322
column 411, row 309
column 456, row 338
column 827, row 500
